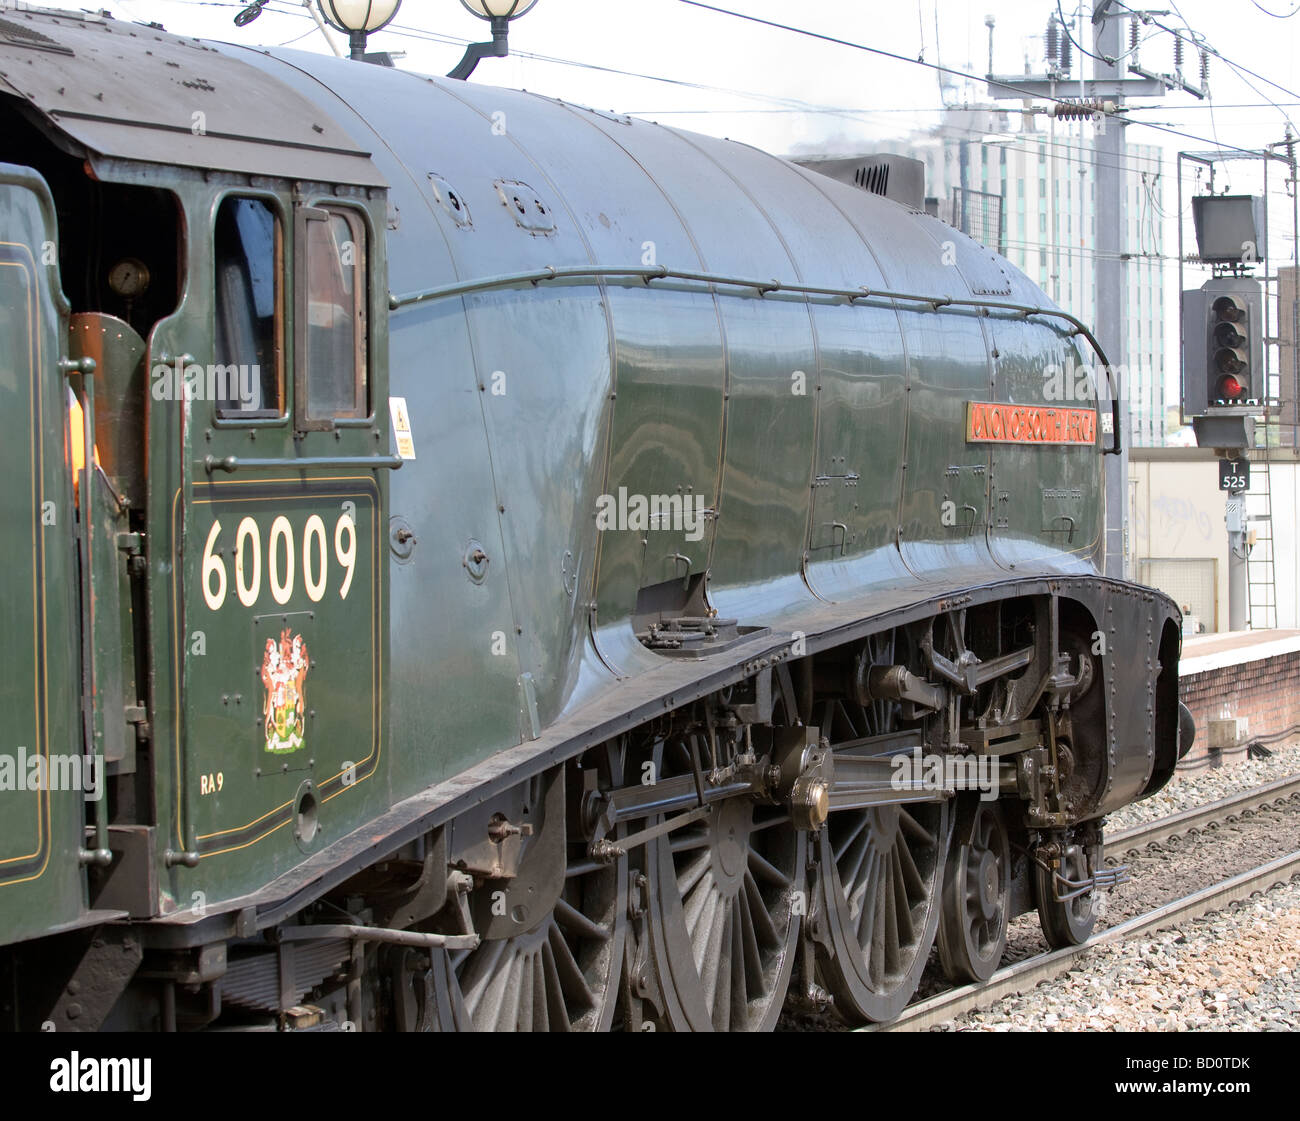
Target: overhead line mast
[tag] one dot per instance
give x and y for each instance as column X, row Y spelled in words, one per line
column 1104, row 94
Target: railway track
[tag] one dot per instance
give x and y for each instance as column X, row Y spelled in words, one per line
column 1024, row 975
column 1198, row 817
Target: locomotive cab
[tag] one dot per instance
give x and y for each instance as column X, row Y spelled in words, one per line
column 236, row 317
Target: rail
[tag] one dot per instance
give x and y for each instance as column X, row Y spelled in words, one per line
column 1162, row 828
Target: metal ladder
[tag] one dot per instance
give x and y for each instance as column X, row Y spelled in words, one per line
column 1261, row 573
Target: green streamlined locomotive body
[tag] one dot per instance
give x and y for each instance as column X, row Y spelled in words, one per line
column 514, row 566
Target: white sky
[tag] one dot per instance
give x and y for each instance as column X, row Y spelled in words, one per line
column 670, row 39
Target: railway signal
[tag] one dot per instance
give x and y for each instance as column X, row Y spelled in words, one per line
column 1223, row 352
column 1223, row 391
column 1231, row 346
column 1224, row 362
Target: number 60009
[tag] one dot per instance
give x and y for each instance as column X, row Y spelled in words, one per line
column 283, row 548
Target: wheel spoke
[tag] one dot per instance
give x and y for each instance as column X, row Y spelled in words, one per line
column 690, row 838
column 878, row 928
column 540, row 1013
column 513, row 990
column 699, row 905
column 724, row 971
column 559, row 1007
column 740, row 962
column 861, row 823
column 574, row 922
column 889, row 904
column 709, row 950
column 853, row 730
column 764, row 868
column 752, row 914
column 912, row 878
column 764, row 928
column 484, row 970
column 863, row 897
column 902, row 904
column 568, row 974
column 693, row 872
column 913, row 828
column 851, row 869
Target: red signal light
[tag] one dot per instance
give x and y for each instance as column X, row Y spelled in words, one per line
column 1230, row 388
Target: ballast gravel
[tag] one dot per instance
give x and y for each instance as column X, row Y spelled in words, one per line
column 1188, row 789
column 1235, row 970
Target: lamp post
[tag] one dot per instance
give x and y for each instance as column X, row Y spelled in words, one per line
column 358, row 19
column 499, row 13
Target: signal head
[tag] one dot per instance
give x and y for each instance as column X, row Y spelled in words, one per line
column 1230, row 309
column 1230, row 390
column 1229, row 361
column 1227, row 334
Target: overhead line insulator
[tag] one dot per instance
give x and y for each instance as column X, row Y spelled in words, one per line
column 1081, row 109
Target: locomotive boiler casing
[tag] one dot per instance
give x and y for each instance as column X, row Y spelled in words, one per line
column 827, row 441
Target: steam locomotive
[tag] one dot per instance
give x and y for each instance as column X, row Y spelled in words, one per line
column 477, row 562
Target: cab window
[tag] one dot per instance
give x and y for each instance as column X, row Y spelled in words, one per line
column 333, row 363
column 247, row 378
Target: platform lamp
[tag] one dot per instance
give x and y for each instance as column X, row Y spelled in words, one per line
column 499, row 13
column 357, row 19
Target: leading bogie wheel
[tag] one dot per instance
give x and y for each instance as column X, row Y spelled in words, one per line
column 1065, row 922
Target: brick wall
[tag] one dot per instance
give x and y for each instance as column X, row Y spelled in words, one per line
column 1265, row 691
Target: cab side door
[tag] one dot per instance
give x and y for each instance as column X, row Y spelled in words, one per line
column 284, row 528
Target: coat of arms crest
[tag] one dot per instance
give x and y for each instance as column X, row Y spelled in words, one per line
column 284, row 671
